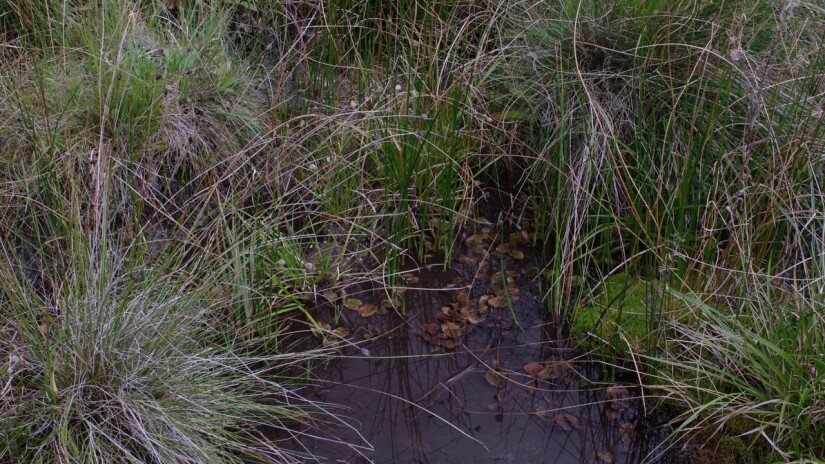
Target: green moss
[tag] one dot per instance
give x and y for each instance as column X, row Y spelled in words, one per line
column 621, row 307
column 733, row 450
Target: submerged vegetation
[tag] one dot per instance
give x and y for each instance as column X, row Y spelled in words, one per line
column 181, row 181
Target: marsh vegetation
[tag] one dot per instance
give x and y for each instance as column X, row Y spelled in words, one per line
column 194, row 194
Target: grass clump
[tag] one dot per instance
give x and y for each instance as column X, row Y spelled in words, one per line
column 763, row 367
column 122, row 364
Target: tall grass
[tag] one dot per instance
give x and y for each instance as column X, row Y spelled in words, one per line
column 763, row 368
column 681, row 142
column 124, row 363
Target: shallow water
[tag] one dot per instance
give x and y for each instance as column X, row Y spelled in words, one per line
column 431, row 385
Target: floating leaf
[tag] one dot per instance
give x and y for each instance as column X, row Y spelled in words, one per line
column 497, row 302
column 493, row 377
column 367, row 310
column 516, row 254
column 429, row 328
column 531, row 272
column 320, row 328
column 474, row 240
column 353, row 303
column 475, row 318
column 533, row 369
column 341, row 332
column 606, row 456
column 566, row 421
column 504, row 247
column 388, row 303
column 558, row 367
column 451, row 329
column 520, row 238
column 410, row 278
column 330, row 296
column 461, row 297
column 547, row 373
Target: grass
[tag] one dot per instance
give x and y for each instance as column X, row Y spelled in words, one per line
column 763, row 367
column 202, row 171
column 132, row 365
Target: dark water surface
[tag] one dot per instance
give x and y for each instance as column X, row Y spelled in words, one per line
column 436, row 384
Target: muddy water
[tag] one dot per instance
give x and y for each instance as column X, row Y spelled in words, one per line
column 455, row 378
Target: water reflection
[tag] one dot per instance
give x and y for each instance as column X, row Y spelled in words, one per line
column 483, row 402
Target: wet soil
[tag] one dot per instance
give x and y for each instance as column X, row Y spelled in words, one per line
column 468, row 369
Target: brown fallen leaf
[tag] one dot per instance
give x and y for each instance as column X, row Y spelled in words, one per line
column 505, row 247
column 461, row 297
column 531, row 272
column 520, row 238
column 533, row 369
column 367, row 310
column 451, row 329
column 516, row 254
column 353, row 303
column 330, row 296
column 566, row 421
column 340, row 332
column 606, row 456
column 475, row 240
column 557, row 366
column 475, row 318
column 410, row 278
column 497, row 302
column 388, row 303
column 322, row 326
column 493, row 378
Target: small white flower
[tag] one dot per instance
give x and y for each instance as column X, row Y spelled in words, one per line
column 313, row 167
column 397, row 87
column 353, row 104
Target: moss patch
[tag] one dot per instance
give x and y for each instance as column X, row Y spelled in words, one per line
column 621, row 307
